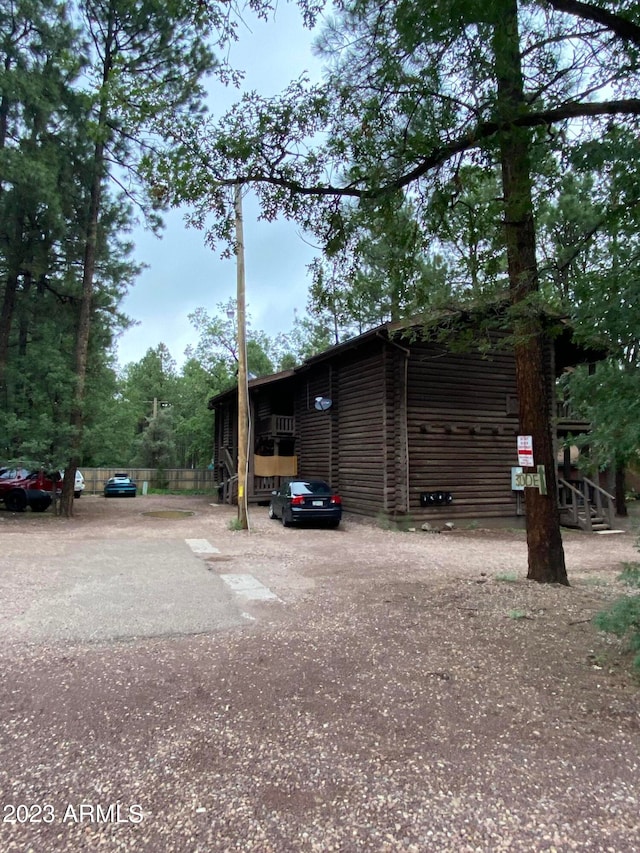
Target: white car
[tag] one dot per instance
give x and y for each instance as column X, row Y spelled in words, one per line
column 78, row 487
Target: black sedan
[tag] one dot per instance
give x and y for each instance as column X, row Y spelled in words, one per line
column 306, row 500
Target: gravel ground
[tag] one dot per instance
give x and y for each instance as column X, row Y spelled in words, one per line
column 409, row 692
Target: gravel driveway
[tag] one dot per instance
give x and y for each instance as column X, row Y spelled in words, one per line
column 399, row 691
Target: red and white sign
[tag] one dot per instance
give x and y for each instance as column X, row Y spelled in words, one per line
column 525, row 451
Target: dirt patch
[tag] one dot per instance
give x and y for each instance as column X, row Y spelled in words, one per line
column 412, row 693
column 168, row 513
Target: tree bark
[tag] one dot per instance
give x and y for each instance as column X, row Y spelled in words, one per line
column 533, row 367
column 6, row 321
column 88, row 275
column 621, row 491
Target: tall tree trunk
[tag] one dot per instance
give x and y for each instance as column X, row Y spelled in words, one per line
column 6, row 322
column 533, row 368
column 621, row 491
column 15, row 264
column 88, row 275
column 23, row 319
column 83, row 333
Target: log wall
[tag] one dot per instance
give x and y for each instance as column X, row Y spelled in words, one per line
column 314, row 441
column 461, row 437
column 362, row 449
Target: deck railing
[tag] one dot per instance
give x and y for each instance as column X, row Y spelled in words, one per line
column 283, row 425
column 581, row 500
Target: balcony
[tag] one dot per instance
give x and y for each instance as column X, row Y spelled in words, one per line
column 568, row 421
column 282, row 425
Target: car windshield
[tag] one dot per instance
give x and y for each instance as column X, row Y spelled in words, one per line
column 311, row 487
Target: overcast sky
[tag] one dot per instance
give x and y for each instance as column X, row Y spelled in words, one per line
column 182, row 272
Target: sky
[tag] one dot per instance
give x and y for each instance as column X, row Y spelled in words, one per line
column 182, row 273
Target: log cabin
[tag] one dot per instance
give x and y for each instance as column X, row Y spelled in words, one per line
column 398, row 422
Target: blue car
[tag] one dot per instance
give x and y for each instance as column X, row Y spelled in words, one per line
column 120, row 486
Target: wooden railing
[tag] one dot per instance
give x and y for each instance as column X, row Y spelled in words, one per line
column 603, row 501
column 582, row 500
column 565, row 413
column 283, row 425
column 228, row 486
column 258, row 488
column 263, row 486
column 228, row 461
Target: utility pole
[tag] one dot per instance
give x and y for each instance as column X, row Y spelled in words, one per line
column 164, row 404
column 243, row 391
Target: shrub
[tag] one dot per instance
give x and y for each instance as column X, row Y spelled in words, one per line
column 623, row 620
column 507, row 577
column 517, row 614
column 630, row 574
column 623, row 617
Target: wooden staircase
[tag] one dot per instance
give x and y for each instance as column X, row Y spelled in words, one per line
column 584, row 505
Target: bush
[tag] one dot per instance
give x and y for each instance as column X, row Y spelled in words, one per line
column 630, row 574
column 623, row 620
column 623, row 617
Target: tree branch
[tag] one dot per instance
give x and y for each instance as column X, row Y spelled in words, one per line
column 622, row 27
column 440, row 155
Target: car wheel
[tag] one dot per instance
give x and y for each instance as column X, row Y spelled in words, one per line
column 77, row 495
column 285, row 521
column 16, row 501
column 272, row 514
column 40, row 504
column 333, row 524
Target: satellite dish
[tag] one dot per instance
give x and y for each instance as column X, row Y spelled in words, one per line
column 323, row 403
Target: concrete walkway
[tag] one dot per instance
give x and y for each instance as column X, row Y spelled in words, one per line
column 105, row 589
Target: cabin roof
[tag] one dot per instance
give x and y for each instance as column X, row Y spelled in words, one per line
column 568, row 353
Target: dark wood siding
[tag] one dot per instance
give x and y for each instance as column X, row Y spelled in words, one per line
column 461, row 439
column 362, row 454
column 315, row 429
column 407, row 417
column 395, row 469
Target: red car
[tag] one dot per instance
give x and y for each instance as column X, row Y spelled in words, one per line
column 22, row 487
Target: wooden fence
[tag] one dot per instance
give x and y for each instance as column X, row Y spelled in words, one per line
column 176, row 479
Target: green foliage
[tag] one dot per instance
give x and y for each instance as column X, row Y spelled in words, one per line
column 217, row 347
column 192, row 418
column 610, row 400
column 630, row 575
column 623, row 617
column 623, row 620
column 517, row 614
column 155, row 446
column 383, row 521
column 379, row 271
column 591, row 227
column 404, row 523
column 309, row 336
column 507, row 577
